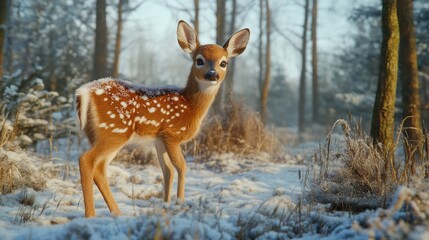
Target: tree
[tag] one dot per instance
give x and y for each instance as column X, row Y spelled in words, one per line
column 3, row 16
column 64, row 58
column 314, row 62
column 231, row 64
column 383, row 122
column 302, row 88
column 261, row 45
column 115, row 72
column 100, row 49
column 220, row 38
column 408, row 74
column 197, row 16
column 267, row 75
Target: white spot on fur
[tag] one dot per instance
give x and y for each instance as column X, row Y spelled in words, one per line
column 171, row 125
column 140, row 119
column 106, row 99
column 158, row 105
column 151, row 110
column 119, row 130
column 168, row 106
column 103, row 125
column 99, row 91
column 177, row 114
column 129, row 123
column 145, row 97
column 121, row 116
column 148, row 103
column 111, row 125
column 109, row 112
column 124, row 104
column 175, row 98
column 183, row 128
column 112, row 116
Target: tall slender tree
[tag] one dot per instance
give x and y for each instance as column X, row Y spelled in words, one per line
column 383, row 122
column 261, row 46
column 100, row 52
column 197, row 16
column 408, row 74
column 302, row 87
column 314, row 65
column 3, row 17
column 115, row 72
column 267, row 74
column 231, row 64
column 220, row 38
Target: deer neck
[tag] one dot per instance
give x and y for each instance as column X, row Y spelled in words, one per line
column 200, row 95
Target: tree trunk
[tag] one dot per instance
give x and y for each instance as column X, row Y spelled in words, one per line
column 100, row 53
column 197, row 16
column 115, row 72
column 301, row 110
column 261, row 47
column 220, row 35
column 314, row 62
column 231, row 63
column 408, row 75
column 383, row 121
column 267, row 77
column 3, row 17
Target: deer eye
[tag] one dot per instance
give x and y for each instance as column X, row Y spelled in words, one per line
column 200, row 62
column 223, row 64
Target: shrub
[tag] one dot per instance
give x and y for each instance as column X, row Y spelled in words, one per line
column 356, row 174
column 237, row 130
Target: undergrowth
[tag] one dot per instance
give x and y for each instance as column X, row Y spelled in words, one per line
column 238, row 130
column 354, row 174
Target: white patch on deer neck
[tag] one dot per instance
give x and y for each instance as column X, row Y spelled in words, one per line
column 209, row 87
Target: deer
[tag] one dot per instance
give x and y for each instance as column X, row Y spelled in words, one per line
column 113, row 113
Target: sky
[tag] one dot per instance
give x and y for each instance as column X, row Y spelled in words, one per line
column 155, row 22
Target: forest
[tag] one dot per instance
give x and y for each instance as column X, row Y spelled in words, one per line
column 318, row 130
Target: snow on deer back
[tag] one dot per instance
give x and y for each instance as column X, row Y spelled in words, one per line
column 119, row 107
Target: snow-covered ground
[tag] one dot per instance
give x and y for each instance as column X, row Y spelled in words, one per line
column 226, row 198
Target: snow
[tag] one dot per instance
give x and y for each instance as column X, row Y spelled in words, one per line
column 227, row 197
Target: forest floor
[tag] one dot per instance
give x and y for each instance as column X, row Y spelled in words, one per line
column 227, row 197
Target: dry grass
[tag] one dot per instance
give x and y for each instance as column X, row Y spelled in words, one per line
column 17, row 174
column 237, row 130
column 356, row 174
column 136, row 154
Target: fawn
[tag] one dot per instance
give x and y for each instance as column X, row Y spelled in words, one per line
column 113, row 113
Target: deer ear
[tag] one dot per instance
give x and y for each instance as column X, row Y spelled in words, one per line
column 187, row 37
column 237, row 43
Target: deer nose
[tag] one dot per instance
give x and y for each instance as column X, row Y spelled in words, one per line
column 211, row 75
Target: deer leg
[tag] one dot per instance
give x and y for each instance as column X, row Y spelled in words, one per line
column 100, row 178
column 179, row 163
column 86, row 168
column 166, row 167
